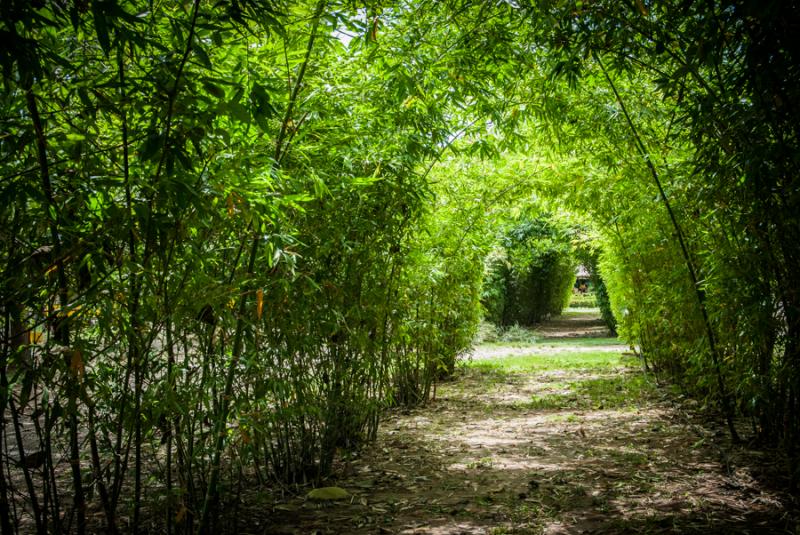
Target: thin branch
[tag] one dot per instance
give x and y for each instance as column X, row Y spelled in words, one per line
column 725, row 400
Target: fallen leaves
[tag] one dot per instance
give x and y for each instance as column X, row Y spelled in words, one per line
column 472, row 462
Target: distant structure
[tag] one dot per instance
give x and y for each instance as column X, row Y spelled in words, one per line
column 583, row 280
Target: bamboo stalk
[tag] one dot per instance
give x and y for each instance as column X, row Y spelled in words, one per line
column 238, row 340
column 725, row 400
column 61, row 328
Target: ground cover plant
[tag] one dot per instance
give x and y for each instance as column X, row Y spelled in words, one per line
column 237, row 235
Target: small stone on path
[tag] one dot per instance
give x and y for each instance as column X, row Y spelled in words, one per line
column 324, row 494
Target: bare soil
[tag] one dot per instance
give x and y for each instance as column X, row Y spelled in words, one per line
column 483, row 458
column 577, row 324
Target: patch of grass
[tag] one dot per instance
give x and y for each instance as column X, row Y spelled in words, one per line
column 579, row 311
column 490, row 334
column 590, row 360
column 580, row 342
column 517, row 334
column 550, row 384
column 483, row 463
column 601, row 503
column 553, row 401
column 556, row 343
column 583, row 301
column 620, row 391
column 486, row 333
column 525, row 512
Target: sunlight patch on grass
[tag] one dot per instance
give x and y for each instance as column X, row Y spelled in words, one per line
column 557, row 343
column 621, row 391
column 590, row 360
column 580, row 311
column 581, row 342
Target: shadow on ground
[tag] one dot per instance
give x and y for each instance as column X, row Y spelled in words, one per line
column 547, row 451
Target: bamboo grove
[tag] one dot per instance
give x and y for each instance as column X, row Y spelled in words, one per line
column 235, row 233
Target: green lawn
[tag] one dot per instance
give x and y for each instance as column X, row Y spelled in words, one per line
column 564, row 360
column 594, row 379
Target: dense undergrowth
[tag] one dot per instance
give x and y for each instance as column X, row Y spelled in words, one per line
column 233, row 233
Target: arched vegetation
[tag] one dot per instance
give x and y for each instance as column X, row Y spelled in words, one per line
column 234, row 233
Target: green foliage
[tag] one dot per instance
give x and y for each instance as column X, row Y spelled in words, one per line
column 489, row 333
column 603, row 302
column 603, row 361
column 531, row 277
column 440, row 289
column 695, row 249
column 581, row 300
column 619, row 391
column 231, row 237
column 217, row 231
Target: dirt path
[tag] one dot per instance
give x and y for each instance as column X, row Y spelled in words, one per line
column 560, row 335
column 577, row 323
column 572, row 441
